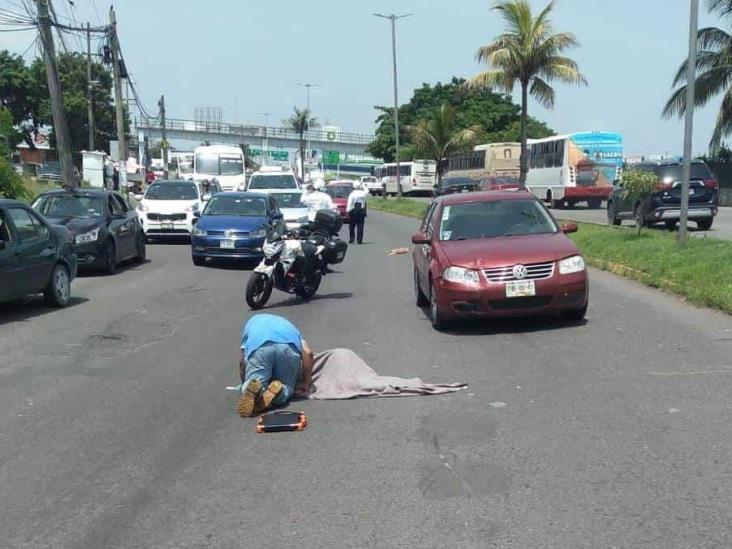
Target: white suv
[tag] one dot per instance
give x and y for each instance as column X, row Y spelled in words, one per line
column 271, row 177
column 167, row 208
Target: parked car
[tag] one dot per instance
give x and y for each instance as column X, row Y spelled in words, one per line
column 35, row 256
column 234, row 225
column 290, row 204
column 664, row 204
column 272, row 177
column 51, row 171
column 452, row 185
column 371, row 184
column 496, row 253
column 167, row 208
column 104, row 227
column 339, row 191
column 501, row 183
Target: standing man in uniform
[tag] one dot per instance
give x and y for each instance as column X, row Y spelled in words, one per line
column 356, row 208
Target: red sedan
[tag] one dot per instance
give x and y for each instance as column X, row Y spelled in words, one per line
column 496, row 253
column 339, row 191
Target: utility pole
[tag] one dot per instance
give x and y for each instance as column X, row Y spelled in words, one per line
column 393, row 19
column 307, row 86
column 60, row 126
column 688, row 121
column 164, row 133
column 89, row 91
column 118, row 103
column 265, row 142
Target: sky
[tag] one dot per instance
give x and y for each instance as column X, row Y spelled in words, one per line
column 247, row 57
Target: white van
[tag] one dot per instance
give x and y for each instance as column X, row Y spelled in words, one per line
column 272, row 177
column 224, row 163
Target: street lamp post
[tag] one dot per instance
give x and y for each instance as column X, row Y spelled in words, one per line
column 688, row 121
column 393, row 19
column 307, row 86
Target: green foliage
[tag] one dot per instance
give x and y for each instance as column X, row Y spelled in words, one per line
column 9, row 136
column 637, row 184
column 11, row 184
column 401, row 206
column 497, row 117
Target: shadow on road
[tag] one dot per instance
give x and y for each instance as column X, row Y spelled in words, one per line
column 130, row 265
column 317, row 297
column 496, row 326
column 232, row 264
column 31, row 307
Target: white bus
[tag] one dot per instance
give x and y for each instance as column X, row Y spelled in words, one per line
column 577, row 167
column 224, row 163
column 496, row 165
column 181, row 163
column 418, row 176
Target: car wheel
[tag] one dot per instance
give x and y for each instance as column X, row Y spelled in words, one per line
column 58, row 291
column 110, row 258
column 575, row 315
column 198, row 261
column 670, row 224
column 705, row 224
column 612, row 215
column 435, row 317
column 141, row 256
column 420, row 298
column 640, row 217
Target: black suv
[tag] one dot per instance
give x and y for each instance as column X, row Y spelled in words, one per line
column 664, row 204
column 452, row 185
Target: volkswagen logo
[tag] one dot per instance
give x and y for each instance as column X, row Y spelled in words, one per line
column 229, row 233
column 519, row 272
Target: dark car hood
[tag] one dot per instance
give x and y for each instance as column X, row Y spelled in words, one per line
column 77, row 225
column 231, row 222
column 508, row 250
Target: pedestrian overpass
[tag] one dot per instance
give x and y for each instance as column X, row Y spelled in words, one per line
column 237, row 134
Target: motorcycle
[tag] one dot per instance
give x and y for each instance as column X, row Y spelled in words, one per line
column 296, row 262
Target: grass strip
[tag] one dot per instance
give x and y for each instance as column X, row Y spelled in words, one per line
column 701, row 271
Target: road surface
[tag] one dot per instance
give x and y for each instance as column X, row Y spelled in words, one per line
column 117, row 431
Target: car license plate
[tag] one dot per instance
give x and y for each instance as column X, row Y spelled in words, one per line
column 520, row 288
column 228, row 244
column 168, row 226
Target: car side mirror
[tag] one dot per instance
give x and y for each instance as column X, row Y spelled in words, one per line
column 196, row 214
column 569, row 227
column 278, row 216
column 420, row 238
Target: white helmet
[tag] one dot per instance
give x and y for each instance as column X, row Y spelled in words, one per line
column 319, row 184
column 356, row 184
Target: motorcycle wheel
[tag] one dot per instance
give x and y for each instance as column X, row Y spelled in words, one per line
column 308, row 287
column 259, row 288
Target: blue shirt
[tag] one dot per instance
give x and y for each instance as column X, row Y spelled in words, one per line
column 265, row 328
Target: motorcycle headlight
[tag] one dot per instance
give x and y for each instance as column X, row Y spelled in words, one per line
column 259, row 233
column 86, row 238
column 269, row 249
column 199, row 232
column 574, row 264
column 461, row 275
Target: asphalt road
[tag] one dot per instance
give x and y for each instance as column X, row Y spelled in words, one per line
column 117, row 431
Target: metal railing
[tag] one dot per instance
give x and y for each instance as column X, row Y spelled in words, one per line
column 273, row 132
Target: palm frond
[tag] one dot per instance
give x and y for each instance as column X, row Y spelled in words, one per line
column 722, row 7
column 542, row 92
column 711, row 38
column 562, row 69
column 723, row 124
column 705, row 60
column 493, row 79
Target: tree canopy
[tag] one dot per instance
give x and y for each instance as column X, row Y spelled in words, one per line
column 496, row 115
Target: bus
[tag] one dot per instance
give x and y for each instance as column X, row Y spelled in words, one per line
column 496, row 165
column 181, row 164
column 417, row 176
column 225, row 163
column 577, row 167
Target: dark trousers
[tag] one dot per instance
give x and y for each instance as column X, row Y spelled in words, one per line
column 356, row 223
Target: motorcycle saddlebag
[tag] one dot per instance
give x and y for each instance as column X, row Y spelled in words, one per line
column 335, row 251
column 328, row 221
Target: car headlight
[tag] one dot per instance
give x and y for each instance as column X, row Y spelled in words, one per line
column 460, row 275
column 193, row 208
column 259, row 233
column 142, row 208
column 269, row 249
column 86, row 238
column 574, row 264
column 199, row 232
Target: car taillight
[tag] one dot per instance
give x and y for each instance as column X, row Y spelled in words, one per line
column 711, row 184
column 661, row 186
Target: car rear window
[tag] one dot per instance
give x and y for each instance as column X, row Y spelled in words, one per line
column 339, row 191
column 289, row 200
column 172, row 191
column 495, row 218
column 67, row 205
column 272, row 182
column 457, row 181
column 674, row 172
column 232, row 204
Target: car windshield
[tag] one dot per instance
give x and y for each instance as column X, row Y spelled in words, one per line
column 272, row 182
column 289, row 200
column 457, row 181
column 232, row 204
column 496, row 218
column 230, row 165
column 172, row 191
column 69, row 206
column 339, row 191
column 368, row 180
column 672, row 172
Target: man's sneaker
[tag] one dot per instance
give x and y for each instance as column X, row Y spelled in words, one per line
column 249, row 398
column 274, row 389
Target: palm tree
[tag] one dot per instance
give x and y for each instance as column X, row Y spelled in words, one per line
column 301, row 122
column 713, row 75
column 437, row 137
column 530, row 53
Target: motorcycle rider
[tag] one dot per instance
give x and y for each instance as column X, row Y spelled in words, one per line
column 356, row 208
column 315, row 201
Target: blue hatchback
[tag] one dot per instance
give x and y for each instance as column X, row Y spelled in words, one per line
column 234, row 225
